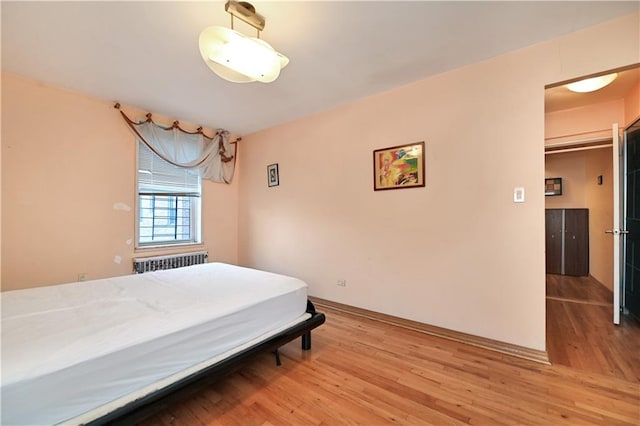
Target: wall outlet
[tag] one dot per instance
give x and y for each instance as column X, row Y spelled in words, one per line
column 82, row 276
column 342, row 283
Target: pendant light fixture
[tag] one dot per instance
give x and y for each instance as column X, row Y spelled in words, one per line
column 237, row 57
column 592, row 84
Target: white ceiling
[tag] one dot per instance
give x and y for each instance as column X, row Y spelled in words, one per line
column 145, row 54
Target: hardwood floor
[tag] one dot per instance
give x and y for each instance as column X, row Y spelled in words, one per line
column 362, row 371
column 578, row 289
column 580, row 331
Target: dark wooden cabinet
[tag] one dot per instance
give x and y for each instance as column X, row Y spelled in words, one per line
column 553, row 241
column 567, row 241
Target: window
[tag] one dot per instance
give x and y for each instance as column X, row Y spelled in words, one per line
column 168, row 202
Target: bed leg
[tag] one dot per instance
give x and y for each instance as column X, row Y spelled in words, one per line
column 306, row 341
column 277, row 354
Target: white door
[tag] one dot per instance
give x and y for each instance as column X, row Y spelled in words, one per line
column 617, row 211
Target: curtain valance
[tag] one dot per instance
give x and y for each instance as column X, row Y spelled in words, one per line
column 211, row 157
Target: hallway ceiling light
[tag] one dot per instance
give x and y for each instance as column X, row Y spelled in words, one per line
column 236, row 57
column 592, row 84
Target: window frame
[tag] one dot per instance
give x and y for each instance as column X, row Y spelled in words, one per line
column 195, row 210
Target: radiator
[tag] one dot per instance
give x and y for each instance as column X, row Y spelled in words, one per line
column 157, row 263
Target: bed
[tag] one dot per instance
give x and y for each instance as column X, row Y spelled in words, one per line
column 100, row 351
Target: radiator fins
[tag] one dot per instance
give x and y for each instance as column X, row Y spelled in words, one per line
column 159, row 263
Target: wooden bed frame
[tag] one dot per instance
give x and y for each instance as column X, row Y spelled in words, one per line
column 146, row 406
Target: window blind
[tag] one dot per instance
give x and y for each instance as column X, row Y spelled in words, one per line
column 158, row 177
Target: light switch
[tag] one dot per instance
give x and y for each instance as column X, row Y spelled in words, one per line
column 518, row 195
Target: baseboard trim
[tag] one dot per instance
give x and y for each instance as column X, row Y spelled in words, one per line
column 469, row 339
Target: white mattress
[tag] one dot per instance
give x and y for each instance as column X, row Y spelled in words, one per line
column 70, row 349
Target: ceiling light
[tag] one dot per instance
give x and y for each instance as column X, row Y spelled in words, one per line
column 591, row 84
column 239, row 58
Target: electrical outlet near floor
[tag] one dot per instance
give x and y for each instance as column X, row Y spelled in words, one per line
column 342, row 283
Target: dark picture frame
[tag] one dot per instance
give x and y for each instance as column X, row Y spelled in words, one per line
column 273, row 175
column 399, row 167
column 552, row 186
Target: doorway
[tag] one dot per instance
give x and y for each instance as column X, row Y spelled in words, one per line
column 580, row 248
column 579, row 149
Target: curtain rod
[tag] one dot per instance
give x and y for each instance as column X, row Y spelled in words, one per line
column 174, row 125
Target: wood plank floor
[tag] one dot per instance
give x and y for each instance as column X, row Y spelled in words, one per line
column 578, row 289
column 580, row 331
column 362, row 371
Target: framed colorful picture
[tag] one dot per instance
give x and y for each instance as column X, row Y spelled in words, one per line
column 398, row 167
column 273, row 179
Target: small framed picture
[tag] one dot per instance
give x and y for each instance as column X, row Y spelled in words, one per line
column 553, row 186
column 272, row 175
column 399, row 167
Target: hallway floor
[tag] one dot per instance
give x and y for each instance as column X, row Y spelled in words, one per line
column 580, row 331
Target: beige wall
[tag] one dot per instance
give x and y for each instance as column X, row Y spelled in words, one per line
column 589, row 121
column 1, row 174
column 579, row 172
column 458, row 253
column 68, row 160
column 571, row 168
column 632, row 105
column 599, row 200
